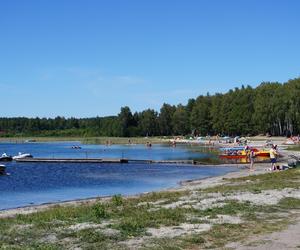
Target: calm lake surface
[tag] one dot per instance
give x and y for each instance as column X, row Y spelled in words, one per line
column 38, row 183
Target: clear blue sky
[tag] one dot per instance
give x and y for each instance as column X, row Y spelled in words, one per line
column 85, row 58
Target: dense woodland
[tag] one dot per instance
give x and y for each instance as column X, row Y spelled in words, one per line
column 271, row 107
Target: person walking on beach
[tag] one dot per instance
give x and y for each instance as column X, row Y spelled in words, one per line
column 251, row 159
column 273, row 155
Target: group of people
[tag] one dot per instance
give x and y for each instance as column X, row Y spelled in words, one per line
column 273, row 157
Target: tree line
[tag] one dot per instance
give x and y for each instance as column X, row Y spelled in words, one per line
column 271, row 107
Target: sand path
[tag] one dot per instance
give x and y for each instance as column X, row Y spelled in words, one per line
column 286, row 239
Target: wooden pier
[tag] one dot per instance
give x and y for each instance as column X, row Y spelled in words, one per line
column 99, row 160
column 162, row 161
column 72, row 160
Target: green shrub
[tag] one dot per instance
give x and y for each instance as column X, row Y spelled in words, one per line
column 99, row 211
column 131, row 227
column 117, row 200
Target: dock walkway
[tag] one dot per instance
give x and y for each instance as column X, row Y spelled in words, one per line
column 100, row 160
column 72, row 160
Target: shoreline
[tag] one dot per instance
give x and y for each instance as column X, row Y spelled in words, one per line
column 241, row 170
column 245, row 207
column 183, row 185
column 206, row 141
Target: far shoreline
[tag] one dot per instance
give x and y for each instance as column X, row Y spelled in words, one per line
column 136, row 140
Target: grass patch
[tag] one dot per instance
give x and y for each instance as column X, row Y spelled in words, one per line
column 131, row 227
column 230, row 208
column 194, row 239
column 289, row 203
column 117, row 200
column 100, row 211
column 164, row 195
column 294, row 148
column 91, row 236
column 220, row 235
column 134, row 222
column 258, row 183
column 125, row 214
column 93, row 239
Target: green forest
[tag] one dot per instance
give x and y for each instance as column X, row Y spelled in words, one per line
column 272, row 108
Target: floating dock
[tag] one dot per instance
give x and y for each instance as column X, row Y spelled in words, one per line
column 164, row 161
column 99, row 160
column 72, row 160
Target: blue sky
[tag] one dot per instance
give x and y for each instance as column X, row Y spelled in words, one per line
column 87, row 58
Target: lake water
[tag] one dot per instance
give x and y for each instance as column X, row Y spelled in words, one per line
column 38, row 183
column 139, row 151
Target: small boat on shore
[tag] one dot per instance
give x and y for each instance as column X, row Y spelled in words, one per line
column 240, row 153
column 30, row 140
column 22, row 156
column 2, row 169
column 264, row 153
column 232, row 156
column 5, row 157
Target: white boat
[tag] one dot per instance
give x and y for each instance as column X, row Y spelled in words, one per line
column 5, row 157
column 22, row 156
column 30, row 140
